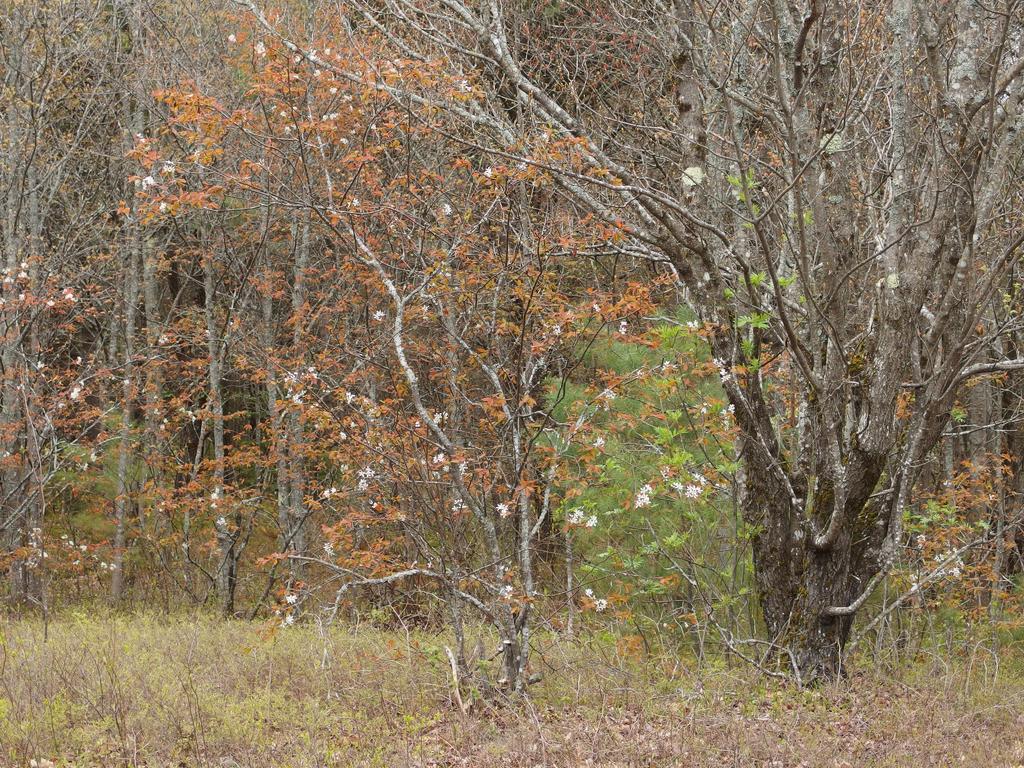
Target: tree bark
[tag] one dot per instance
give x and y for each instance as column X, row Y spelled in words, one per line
column 226, row 575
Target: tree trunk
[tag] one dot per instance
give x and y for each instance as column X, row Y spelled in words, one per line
column 124, row 450
column 15, row 520
column 133, row 120
column 154, row 519
column 798, row 582
column 226, row 537
column 296, row 469
column 278, row 437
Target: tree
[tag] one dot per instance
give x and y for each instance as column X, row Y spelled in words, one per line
column 418, row 339
column 55, row 139
column 829, row 183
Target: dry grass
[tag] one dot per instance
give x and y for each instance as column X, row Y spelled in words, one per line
column 105, row 690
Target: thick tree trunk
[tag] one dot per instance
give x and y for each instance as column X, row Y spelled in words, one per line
column 797, row 582
column 795, row 586
column 815, row 640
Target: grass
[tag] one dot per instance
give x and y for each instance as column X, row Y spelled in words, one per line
column 112, row 690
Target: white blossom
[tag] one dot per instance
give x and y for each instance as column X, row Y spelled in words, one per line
column 600, row 603
column 643, row 497
column 727, row 413
column 366, row 474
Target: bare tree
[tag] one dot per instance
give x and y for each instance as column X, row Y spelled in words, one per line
column 829, row 184
column 53, row 109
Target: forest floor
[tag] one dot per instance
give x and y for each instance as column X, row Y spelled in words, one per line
column 108, row 690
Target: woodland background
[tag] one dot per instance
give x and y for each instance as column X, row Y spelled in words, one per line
column 313, row 319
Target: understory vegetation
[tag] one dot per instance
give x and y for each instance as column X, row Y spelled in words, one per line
column 99, row 689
